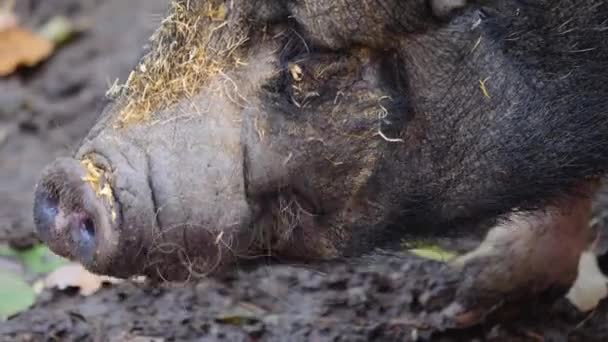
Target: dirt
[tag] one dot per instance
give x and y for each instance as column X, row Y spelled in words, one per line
column 352, row 303
column 45, row 111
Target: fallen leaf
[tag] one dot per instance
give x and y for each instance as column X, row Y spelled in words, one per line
column 244, row 315
column 39, row 259
column 75, row 275
column 58, row 30
column 434, row 253
column 15, row 295
column 22, row 47
column 236, row 320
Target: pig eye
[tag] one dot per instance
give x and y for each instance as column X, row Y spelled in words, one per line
column 276, row 93
column 310, row 80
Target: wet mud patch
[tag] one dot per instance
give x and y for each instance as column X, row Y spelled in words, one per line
column 352, row 303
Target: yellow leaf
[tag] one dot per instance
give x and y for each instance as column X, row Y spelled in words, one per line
column 21, row 47
column 433, row 253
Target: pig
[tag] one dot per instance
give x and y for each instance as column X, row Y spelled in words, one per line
column 309, row 130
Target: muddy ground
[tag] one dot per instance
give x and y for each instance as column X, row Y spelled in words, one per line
column 46, row 110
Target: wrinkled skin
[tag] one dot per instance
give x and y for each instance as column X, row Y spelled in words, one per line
column 401, row 118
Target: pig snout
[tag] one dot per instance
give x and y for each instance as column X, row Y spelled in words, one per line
column 132, row 203
column 91, row 210
column 74, row 220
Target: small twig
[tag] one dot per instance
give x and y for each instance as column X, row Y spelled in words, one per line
column 477, row 43
column 393, row 140
column 484, row 89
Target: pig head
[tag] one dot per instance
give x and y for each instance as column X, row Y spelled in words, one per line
column 311, row 130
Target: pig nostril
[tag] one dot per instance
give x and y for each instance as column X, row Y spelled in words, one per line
column 87, row 228
column 46, row 209
column 83, row 234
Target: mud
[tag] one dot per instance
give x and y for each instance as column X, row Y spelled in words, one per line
column 46, row 110
column 361, row 303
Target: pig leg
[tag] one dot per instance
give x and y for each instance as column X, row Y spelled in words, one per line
column 524, row 255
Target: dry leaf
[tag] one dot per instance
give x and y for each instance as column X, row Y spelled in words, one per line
column 75, row 275
column 21, row 47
